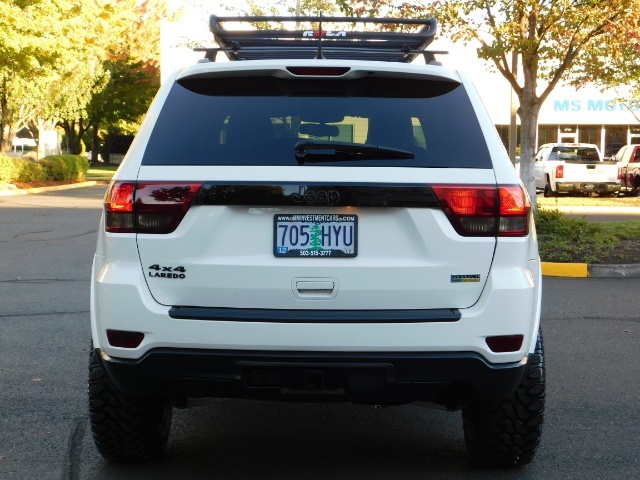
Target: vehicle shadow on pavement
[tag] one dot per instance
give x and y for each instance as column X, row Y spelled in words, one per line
column 247, row 440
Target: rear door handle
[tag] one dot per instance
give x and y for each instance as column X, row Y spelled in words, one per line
column 315, row 288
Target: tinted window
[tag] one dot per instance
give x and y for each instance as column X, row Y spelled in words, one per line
column 574, row 153
column 258, row 120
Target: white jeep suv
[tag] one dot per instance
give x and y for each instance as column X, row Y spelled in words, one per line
column 317, row 219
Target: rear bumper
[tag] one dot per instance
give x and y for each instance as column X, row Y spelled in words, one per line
column 587, row 187
column 450, row 379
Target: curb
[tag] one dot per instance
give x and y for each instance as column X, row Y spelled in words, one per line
column 584, row 270
column 583, row 210
column 25, row 191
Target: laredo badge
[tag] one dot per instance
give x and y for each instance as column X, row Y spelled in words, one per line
column 168, row 272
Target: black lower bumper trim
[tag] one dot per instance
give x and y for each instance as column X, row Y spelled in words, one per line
column 451, row 379
column 315, row 316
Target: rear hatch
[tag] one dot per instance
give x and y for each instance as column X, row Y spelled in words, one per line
column 278, row 191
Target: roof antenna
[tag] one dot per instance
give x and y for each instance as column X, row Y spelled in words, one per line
column 320, row 55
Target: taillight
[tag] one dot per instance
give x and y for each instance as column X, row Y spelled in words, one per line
column 118, row 206
column 485, row 211
column 619, row 173
column 560, row 171
column 160, row 207
column 515, row 208
column 147, row 207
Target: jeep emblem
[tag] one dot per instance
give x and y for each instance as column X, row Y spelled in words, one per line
column 323, row 197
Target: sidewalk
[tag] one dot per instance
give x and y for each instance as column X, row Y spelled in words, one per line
column 8, row 192
column 549, row 269
column 582, row 210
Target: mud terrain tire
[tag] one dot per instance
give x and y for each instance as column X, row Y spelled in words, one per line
column 507, row 432
column 125, row 428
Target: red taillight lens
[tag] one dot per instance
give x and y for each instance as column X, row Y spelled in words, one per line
column 619, row 173
column 152, row 207
column 560, row 171
column 505, row 343
column 515, row 208
column 118, row 205
column 485, row 210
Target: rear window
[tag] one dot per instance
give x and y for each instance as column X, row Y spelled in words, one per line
column 574, row 153
column 258, row 121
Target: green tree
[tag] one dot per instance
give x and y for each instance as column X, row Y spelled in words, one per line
column 384, row 8
column 315, row 241
column 128, row 75
column 567, row 40
column 24, row 49
column 125, row 98
column 48, row 53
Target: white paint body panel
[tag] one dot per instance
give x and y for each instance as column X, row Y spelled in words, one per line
column 406, row 259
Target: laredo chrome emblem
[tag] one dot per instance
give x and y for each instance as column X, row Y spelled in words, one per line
column 465, row 278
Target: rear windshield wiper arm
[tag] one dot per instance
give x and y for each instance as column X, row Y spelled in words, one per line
column 315, row 152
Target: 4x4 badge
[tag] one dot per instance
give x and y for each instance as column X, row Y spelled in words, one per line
column 167, row 272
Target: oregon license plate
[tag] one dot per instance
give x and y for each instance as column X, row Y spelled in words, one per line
column 315, row 235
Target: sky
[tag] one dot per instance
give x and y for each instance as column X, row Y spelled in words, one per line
column 178, row 40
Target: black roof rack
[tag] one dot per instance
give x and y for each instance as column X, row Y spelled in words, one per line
column 307, row 44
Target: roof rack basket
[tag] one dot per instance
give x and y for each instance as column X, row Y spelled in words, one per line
column 308, row 44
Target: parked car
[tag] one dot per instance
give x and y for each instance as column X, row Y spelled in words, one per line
column 298, row 225
column 574, row 167
column 628, row 158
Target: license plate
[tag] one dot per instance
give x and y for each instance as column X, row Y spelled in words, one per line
column 589, row 186
column 315, row 235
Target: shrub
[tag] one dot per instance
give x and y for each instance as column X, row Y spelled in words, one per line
column 65, row 167
column 53, row 167
column 31, row 172
column 567, row 239
column 19, row 170
column 8, row 170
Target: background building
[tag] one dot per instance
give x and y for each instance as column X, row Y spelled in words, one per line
column 609, row 119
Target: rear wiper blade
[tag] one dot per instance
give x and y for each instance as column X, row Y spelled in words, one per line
column 315, row 152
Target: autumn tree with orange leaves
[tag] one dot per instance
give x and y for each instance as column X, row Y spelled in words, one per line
column 59, row 59
column 557, row 41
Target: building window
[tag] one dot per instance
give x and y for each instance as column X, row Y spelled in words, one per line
column 590, row 134
column 615, row 137
column 547, row 134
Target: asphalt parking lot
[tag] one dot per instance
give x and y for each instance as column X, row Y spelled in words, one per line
column 591, row 329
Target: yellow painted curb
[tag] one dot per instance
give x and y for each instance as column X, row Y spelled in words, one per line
column 7, row 193
column 574, row 270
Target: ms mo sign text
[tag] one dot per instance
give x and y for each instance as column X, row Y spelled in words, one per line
column 595, row 106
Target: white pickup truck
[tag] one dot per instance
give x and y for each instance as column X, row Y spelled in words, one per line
column 574, row 167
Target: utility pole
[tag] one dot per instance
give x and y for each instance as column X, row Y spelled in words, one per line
column 513, row 126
